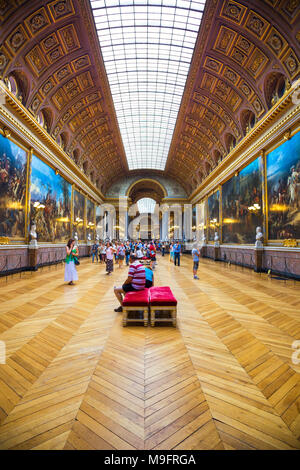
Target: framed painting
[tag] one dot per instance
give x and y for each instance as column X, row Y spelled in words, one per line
column 50, row 203
column 13, row 177
column 213, row 215
column 242, row 204
column 283, row 190
column 90, row 219
column 78, row 219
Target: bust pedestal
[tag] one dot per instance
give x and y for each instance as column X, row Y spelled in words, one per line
column 203, row 250
column 258, row 255
column 216, row 252
column 33, row 255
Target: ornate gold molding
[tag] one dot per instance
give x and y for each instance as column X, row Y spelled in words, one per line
column 290, row 242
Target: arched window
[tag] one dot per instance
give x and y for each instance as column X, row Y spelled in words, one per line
column 146, row 205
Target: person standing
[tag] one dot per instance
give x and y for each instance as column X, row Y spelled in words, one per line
column 121, row 254
column 103, row 253
column 177, row 250
column 163, row 249
column 70, row 269
column 152, row 254
column 196, row 256
column 109, row 258
column 127, row 253
column 171, row 252
column 95, row 251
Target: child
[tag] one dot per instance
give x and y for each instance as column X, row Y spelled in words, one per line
column 149, row 277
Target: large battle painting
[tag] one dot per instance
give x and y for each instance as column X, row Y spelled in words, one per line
column 213, row 204
column 90, row 219
column 79, row 201
column 50, row 203
column 13, row 171
column 283, row 182
column 242, row 204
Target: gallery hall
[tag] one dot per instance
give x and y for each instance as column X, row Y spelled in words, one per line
column 149, row 226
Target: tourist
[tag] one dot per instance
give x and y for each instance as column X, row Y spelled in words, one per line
column 149, row 277
column 121, row 254
column 139, row 252
column 70, row 269
column 152, row 254
column 115, row 248
column 127, row 253
column 171, row 252
column 135, row 281
column 177, row 250
column 163, row 248
column 109, row 258
column 103, row 253
column 196, row 256
column 94, row 251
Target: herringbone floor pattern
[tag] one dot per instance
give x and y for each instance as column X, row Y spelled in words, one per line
column 74, row 378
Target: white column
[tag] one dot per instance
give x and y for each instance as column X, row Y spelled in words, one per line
column 165, row 225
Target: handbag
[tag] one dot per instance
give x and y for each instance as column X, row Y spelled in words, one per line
column 76, row 261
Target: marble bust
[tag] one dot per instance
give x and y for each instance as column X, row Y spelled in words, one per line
column 33, row 235
column 217, row 242
column 259, row 238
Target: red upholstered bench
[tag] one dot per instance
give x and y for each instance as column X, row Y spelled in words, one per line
column 162, row 299
column 133, row 302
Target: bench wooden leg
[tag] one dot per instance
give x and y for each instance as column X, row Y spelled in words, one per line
column 124, row 316
column 146, row 317
column 152, row 317
column 174, row 315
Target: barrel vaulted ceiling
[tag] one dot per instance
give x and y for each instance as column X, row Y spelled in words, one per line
column 245, row 53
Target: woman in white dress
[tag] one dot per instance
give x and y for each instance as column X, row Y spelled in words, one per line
column 70, row 269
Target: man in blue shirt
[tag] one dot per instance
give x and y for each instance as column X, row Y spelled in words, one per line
column 94, row 251
column 177, row 250
column 195, row 255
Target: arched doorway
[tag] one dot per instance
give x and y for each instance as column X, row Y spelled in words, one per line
column 143, row 196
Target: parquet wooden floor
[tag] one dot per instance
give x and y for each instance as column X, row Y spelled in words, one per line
column 74, row 378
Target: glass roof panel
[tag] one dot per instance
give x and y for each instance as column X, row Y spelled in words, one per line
column 147, row 47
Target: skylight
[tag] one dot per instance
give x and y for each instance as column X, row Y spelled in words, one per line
column 146, row 205
column 147, row 47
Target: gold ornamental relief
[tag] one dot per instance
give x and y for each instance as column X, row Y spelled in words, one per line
column 290, row 242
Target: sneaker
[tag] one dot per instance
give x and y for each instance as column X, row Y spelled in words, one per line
column 196, row 277
column 119, row 309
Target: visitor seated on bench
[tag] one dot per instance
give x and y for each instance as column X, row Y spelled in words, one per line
column 149, row 277
column 135, row 281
